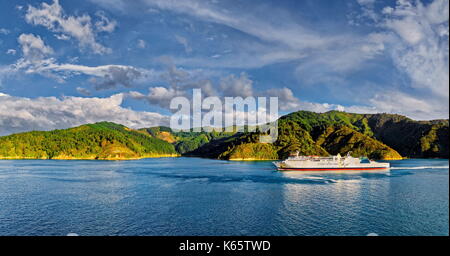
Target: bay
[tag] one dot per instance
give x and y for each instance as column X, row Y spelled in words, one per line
column 194, row 196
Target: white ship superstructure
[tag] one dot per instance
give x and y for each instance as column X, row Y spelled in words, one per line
column 331, row 163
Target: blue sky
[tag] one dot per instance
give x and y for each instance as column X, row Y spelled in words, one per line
column 64, row 63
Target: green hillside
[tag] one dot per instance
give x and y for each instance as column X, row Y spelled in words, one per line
column 185, row 141
column 342, row 139
column 92, row 141
column 418, row 139
column 409, row 137
column 292, row 138
column 377, row 136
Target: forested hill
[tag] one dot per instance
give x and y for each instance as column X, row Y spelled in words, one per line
column 377, row 136
column 293, row 137
column 409, row 137
column 102, row 140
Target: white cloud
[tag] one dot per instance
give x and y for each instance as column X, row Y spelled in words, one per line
column 19, row 114
column 52, row 17
column 421, row 50
column 112, row 76
column 105, row 24
column 4, row 31
column 11, row 52
column 33, row 47
column 421, row 108
column 367, row 11
column 408, row 29
column 103, row 77
column 437, row 12
column 159, row 95
column 232, row 86
column 83, row 91
column 141, row 44
column 288, row 102
column 286, row 99
column 62, row 37
column 415, row 38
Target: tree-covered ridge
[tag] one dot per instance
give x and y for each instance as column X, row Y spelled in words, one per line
column 409, row 137
column 378, row 136
column 342, row 139
column 412, row 138
column 102, row 140
column 292, row 138
column 185, row 141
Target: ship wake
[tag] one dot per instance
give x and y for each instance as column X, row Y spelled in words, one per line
column 418, row 167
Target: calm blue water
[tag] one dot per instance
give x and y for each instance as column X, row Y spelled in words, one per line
column 191, row 196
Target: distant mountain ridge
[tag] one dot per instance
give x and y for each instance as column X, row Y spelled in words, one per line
column 378, row 136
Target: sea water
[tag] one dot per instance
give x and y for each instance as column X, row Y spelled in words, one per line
column 194, row 196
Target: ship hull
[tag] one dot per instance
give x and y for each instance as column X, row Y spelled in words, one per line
column 333, row 169
column 317, row 164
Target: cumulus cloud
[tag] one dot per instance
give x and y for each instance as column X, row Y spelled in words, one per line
column 35, row 55
column 158, row 95
column 33, row 47
column 286, row 97
column 105, row 24
column 52, row 17
column 288, row 102
column 18, row 114
column 115, row 75
column 233, row 86
column 179, row 83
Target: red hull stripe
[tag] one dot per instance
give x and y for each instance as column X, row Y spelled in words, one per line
column 332, row 169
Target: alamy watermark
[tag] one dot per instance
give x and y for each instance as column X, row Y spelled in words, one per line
column 232, row 114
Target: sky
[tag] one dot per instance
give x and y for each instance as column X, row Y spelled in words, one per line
column 66, row 63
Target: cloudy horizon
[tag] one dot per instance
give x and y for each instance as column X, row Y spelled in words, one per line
column 66, row 63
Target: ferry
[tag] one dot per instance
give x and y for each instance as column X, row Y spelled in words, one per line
column 331, row 163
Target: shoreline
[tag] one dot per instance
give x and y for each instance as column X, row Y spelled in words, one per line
column 93, row 158
column 250, row 159
column 175, row 156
